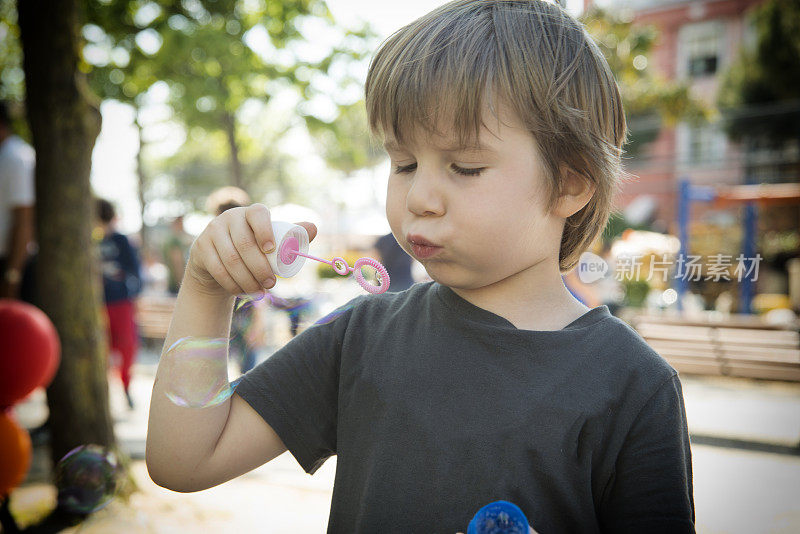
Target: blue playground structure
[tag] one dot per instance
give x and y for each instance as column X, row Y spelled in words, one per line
column 750, row 195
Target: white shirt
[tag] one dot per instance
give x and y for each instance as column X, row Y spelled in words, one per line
column 17, row 161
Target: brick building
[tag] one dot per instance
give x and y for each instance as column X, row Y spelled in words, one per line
column 697, row 41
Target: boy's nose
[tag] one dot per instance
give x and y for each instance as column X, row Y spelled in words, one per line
column 424, row 196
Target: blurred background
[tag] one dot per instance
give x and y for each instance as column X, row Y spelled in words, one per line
column 172, row 110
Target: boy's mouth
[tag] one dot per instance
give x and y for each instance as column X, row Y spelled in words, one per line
column 421, row 247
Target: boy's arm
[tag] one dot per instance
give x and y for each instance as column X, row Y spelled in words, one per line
column 651, row 487
column 190, row 449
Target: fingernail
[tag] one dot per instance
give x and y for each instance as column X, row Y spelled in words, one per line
column 269, row 282
column 268, row 247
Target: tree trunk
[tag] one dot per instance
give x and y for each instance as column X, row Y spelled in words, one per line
column 64, row 123
column 236, row 164
column 142, row 177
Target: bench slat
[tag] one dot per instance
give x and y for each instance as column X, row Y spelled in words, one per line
column 744, row 348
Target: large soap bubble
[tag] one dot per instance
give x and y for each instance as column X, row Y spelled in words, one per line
column 86, row 479
column 196, row 372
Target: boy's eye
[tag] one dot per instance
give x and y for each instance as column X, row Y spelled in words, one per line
column 402, row 169
column 467, row 172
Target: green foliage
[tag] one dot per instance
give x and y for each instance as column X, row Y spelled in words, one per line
column 325, row 271
column 617, row 224
column 12, row 77
column 635, row 292
column 345, row 141
column 649, row 100
column 215, row 56
column 760, row 92
column 212, row 71
column 202, row 165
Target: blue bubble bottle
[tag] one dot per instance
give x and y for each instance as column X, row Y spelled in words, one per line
column 499, row 517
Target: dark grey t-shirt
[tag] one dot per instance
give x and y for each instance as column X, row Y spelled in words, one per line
column 435, row 407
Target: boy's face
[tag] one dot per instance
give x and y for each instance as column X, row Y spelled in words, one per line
column 473, row 217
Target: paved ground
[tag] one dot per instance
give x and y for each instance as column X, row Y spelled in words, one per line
column 746, row 461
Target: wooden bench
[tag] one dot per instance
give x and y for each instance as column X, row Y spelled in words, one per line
column 737, row 346
column 153, row 315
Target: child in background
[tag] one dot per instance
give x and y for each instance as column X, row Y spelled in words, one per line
column 504, row 127
column 176, row 253
column 121, row 283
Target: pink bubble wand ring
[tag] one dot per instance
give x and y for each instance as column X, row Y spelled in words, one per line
column 290, row 250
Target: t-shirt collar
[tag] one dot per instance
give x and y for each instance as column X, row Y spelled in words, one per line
column 475, row 314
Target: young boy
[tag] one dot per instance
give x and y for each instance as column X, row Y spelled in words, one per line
column 122, row 281
column 504, row 127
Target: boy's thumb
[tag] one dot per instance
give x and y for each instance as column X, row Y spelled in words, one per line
column 311, row 228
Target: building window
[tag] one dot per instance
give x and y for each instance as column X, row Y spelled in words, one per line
column 701, row 145
column 701, row 48
column 702, row 65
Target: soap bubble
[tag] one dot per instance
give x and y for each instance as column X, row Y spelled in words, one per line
column 289, row 305
column 371, row 275
column 196, row 372
column 247, row 301
column 86, row 479
column 296, row 308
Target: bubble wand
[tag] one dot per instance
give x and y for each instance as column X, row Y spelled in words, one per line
column 287, row 258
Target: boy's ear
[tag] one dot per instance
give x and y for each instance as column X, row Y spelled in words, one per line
column 576, row 191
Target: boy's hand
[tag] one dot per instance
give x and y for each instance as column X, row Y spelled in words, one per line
column 229, row 257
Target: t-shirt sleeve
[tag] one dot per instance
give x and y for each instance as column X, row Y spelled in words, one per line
column 21, row 186
column 651, row 487
column 296, row 391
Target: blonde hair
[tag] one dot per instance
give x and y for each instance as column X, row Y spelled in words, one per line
column 527, row 54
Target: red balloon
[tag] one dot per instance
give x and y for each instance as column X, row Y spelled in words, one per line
column 29, row 350
column 15, row 454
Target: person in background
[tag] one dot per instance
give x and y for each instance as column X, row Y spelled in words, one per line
column 176, row 253
column 396, row 261
column 121, row 283
column 17, row 198
column 225, row 198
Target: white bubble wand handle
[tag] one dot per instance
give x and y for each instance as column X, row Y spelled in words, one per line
column 292, row 245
